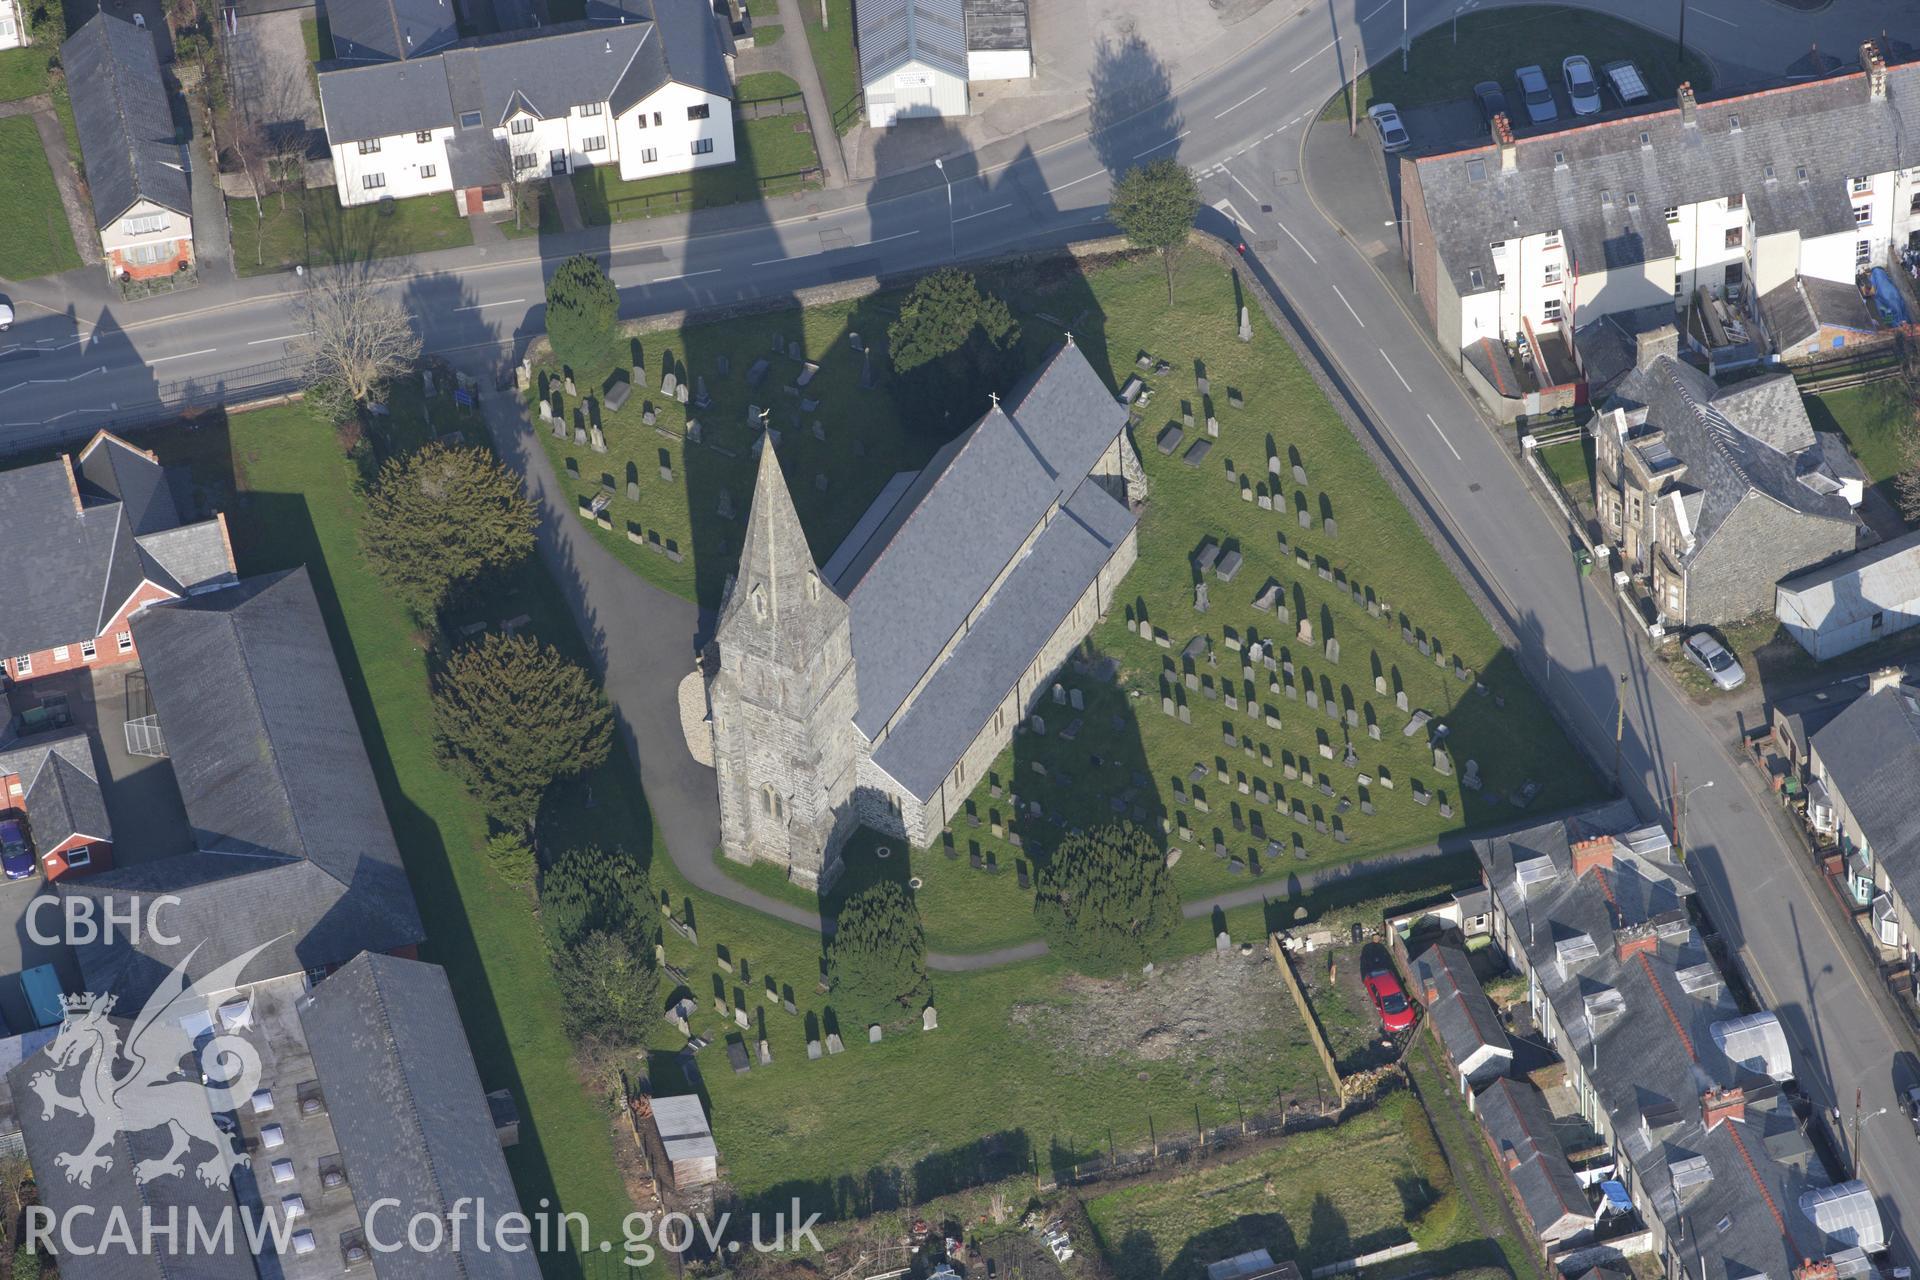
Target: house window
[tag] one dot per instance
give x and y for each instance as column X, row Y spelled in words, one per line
column 703, row 146
column 656, row 119
column 1767, row 173
column 1633, row 200
column 586, row 109
column 87, row 650
column 1878, row 621
column 146, row 255
column 1862, row 215
column 1733, row 124
column 1552, row 273
column 144, row 225
column 525, row 160
column 369, row 146
column 124, row 641
column 1497, row 248
column 81, row 857
column 424, row 135
column 1862, row 252
column 520, row 124
column 429, row 170
column 596, row 144
column 1861, row 185
column 1736, row 236
column 697, row 112
column 373, row 181
column 61, row 653
column 1800, row 173
column 1559, row 159
column 1671, row 213
column 649, row 154
column 23, row 665
column 1550, row 311
column 1475, row 280
column 1499, row 279
column 1736, row 201
column 1553, row 238
column 640, row 121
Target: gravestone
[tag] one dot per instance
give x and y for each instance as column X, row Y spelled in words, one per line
column 1186, row 714
column 1199, row 597
column 1333, row 650
column 1246, row 324
column 1306, row 518
column 546, row 411
column 766, row 1054
column 834, row 1044
column 873, row 1034
column 929, row 1020
column 813, row 1050
column 1400, row 700
column 1213, row 426
column 1299, row 474
column 1332, row 530
column 1076, row 700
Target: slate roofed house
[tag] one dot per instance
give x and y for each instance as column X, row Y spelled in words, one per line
column 389, row 30
column 913, row 59
column 1808, row 317
column 1521, row 1133
column 646, row 87
column 1713, row 494
column 1461, row 1015
column 91, row 540
column 292, row 841
column 1864, row 763
column 1840, row 606
column 71, row 832
column 135, row 161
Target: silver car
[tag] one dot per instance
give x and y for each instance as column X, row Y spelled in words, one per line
column 1386, row 118
column 1712, row 657
column 1582, row 90
column 1535, row 93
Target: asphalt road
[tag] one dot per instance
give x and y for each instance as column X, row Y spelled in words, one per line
column 1243, row 124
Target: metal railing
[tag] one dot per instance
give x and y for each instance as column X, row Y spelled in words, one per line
column 786, row 104
column 169, row 401
column 687, row 198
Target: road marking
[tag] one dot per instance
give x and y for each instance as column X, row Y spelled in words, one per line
column 882, row 240
column 984, row 212
column 1310, row 57
column 184, row 355
column 767, row 262
column 1244, row 101
column 1276, row 222
column 285, row 337
column 1443, row 438
column 1097, row 173
column 1156, row 146
column 686, row 275
column 1377, row 8
column 482, row 306
column 1343, row 302
column 1391, row 365
column 1716, row 17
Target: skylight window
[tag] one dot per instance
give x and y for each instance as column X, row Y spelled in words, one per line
column 1733, row 123
column 1476, row 170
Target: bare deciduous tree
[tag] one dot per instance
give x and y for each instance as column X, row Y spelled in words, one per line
column 358, row 337
column 522, row 186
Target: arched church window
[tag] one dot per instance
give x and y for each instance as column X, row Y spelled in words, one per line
column 758, row 597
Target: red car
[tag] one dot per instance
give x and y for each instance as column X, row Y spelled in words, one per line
column 1389, row 1001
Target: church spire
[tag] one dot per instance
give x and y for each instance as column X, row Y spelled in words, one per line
column 777, row 590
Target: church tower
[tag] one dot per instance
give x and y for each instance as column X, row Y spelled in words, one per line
column 783, row 698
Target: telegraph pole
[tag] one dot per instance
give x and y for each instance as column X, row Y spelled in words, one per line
column 1619, row 732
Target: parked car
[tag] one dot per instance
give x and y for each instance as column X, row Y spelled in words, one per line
column 16, row 855
column 6, row 315
column 1491, row 101
column 1582, row 91
column 1386, row 118
column 1541, row 108
column 1712, row 657
column 1626, row 82
column 1389, row 999
column 1912, row 1105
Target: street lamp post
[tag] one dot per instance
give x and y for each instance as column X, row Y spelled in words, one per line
column 1677, row 805
column 1403, row 35
column 953, row 249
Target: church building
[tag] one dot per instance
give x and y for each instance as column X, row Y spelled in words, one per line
column 878, row 687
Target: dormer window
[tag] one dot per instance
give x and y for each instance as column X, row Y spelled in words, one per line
column 520, row 124
column 1861, row 186
column 1553, row 240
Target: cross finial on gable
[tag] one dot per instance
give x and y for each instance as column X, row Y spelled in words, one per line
column 1069, row 334
column 995, row 397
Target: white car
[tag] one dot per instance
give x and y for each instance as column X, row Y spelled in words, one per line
column 6, row 316
column 1712, row 657
column 1583, row 91
column 1386, row 118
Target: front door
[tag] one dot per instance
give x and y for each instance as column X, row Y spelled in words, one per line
column 559, row 161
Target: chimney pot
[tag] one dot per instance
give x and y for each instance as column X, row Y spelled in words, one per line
column 1592, row 854
column 1503, row 138
column 1687, row 104
column 1875, row 66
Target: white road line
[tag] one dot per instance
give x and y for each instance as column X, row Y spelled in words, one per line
column 1158, row 145
column 1390, row 364
column 1716, row 17
column 984, row 212
column 1310, row 258
column 184, row 355
column 767, row 262
column 1376, row 9
column 1098, row 173
column 1244, row 101
column 285, row 337
column 482, row 306
column 686, row 275
column 1443, row 438
column 1348, row 305
column 1310, row 57
column 883, row 239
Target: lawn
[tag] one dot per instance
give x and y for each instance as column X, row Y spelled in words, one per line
column 23, row 73
column 1234, row 823
column 767, row 34
column 764, row 84
column 1871, row 417
column 1492, row 43
column 774, row 156
column 297, row 505
column 835, row 59
column 313, row 229
column 1571, row 463
column 38, row 241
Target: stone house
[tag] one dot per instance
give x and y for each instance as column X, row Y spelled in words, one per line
column 877, row 688
column 1713, row 494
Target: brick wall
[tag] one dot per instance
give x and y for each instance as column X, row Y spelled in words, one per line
column 58, row 861
column 107, row 650
column 182, row 257
column 1416, row 241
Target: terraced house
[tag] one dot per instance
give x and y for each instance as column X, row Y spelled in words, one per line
column 645, row 86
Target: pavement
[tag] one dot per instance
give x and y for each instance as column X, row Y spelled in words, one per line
column 1241, row 125
column 826, row 140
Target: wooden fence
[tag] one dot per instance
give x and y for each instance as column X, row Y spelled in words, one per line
column 787, row 104
column 1283, row 961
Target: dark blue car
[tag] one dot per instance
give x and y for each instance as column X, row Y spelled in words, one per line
column 16, row 858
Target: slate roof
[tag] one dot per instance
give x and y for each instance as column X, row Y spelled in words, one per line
column 408, row 1109
column 1871, row 755
column 192, row 555
column 1521, row 1132
column 120, row 109
column 548, row 74
column 74, row 552
column 1830, row 127
column 291, row 835
column 1639, row 1029
column 998, row 24
column 1609, row 347
column 1882, row 577
column 966, row 519
column 64, row 801
column 1459, row 1008
column 1731, row 440
column 897, row 33
column 389, row 30
column 1798, row 308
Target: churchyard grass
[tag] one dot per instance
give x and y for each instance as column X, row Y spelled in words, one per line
column 38, row 241
column 1146, row 758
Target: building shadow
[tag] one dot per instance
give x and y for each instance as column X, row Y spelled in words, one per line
column 1129, row 85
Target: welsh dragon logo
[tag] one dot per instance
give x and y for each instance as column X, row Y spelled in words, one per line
column 142, row 1084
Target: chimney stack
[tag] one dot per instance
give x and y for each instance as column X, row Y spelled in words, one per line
column 1885, row 678
column 1875, row 66
column 1634, row 940
column 1594, row 854
column 1650, row 344
column 1687, row 105
column 1503, row 138
column 1811, row 1270
column 1717, row 1105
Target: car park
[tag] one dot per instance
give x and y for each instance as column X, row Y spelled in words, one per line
column 1712, row 657
column 1582, row 90
column 16, row 855
column 1626, row 83
column 1386, row 118
column 1541, row 108
column 1492, row 102
column 1389, row 998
